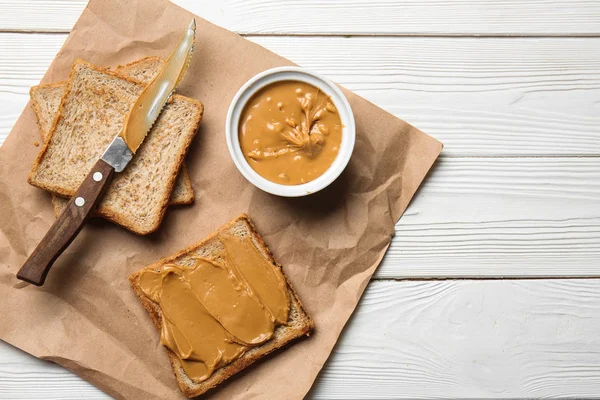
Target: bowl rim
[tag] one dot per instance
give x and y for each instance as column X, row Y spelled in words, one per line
column 292, row 73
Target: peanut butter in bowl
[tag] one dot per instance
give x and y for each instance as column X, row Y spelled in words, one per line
column 290, row 132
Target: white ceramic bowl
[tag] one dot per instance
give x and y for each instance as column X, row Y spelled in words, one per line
column 290, row 74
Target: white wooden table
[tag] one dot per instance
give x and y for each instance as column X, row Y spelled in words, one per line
column 513, row 90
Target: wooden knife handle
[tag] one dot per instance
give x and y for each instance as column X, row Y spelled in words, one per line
column 67, row 225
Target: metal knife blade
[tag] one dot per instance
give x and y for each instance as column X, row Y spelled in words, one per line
column 148, row 106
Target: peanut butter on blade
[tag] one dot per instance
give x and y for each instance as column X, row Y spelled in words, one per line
column 213, row 312
column 290, row 132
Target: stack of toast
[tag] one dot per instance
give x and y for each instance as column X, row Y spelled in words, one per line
column 78, row 118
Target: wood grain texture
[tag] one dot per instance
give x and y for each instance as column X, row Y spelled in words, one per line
column 481, row 97
column 501, row 217
column 465, row 339
column 25, row 377
column 349, row 17
column 454, row 339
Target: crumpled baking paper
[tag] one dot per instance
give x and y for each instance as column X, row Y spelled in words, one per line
column 87, row 319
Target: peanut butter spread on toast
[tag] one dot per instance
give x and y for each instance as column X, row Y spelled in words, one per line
column 213, row 312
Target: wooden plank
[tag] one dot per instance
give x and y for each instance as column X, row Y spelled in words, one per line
column 351, row 17
column 453, row 339
column 465, row 339
column 25, row 377
column 501, row 217
column 481, row 97
column 25, row 59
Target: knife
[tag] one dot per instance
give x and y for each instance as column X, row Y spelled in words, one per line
column 138, row 122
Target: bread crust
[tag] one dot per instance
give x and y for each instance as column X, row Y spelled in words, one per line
column 283, row 334
column 36, row 107
column 136, row 62
column 108, row 213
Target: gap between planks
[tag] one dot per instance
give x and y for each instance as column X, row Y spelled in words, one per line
column 359, row 35
column 485, row 278
column 357, row 17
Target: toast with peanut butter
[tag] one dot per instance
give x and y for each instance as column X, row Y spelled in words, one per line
column 46, row 99
column 91, row 114
column 220, row 305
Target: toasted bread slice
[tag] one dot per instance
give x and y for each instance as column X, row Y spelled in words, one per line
column 90, row 115
column 299, row 323
column 46, row 101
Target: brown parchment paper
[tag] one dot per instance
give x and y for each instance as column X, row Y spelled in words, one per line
column 87, row 319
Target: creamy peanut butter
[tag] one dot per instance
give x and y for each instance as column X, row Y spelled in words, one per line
column 290, row 132
column 213, row 312
column 147, row 107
